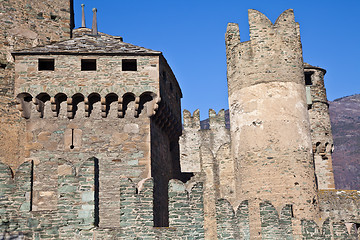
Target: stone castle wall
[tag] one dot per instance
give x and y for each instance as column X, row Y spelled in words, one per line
column 27, row 24
column 81, row 147
column 76, row 214
column 24, row 24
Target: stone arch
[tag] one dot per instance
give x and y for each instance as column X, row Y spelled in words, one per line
column 128, row 104
column 24, row 104
column 60, row 104
column 93, row 105
column 111, row 104
column 146, row 103
column 77, row 105
column 42, row 100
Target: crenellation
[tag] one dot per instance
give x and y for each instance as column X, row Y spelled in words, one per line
column 216, row 120
column 191, row 121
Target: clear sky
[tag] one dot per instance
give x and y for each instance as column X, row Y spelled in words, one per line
column 190, row 33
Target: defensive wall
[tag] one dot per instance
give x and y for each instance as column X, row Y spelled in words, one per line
column 76, row 213
column 81, row 162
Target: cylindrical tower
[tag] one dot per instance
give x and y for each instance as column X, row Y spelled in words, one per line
column 270, row 130
column 320, row 125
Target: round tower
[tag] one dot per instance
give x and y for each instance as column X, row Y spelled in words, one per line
column 320, row 125
column 270, row 129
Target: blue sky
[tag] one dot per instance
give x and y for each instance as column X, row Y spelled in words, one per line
column 190, row 33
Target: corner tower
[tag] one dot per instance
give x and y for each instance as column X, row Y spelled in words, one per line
column 321, row 135
column 270, row 129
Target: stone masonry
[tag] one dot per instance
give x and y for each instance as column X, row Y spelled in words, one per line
column 92, row 144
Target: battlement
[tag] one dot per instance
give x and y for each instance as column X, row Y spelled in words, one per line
column 216, row 120
column 270, row 46
column 77, row 206
column 194, row 137
column 191, row 121
column 76, row 213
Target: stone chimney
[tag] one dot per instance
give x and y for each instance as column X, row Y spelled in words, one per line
column 94, row 23
column 83, row 16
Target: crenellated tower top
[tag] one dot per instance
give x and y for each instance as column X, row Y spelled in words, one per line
column 270, row 45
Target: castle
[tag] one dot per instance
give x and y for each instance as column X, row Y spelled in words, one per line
column 93, row 145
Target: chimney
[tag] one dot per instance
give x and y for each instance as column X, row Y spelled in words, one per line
column 94, row 23
column 83, row 16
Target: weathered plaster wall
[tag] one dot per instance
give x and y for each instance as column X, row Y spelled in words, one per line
column 270, row 130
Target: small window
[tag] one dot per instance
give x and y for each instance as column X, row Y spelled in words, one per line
column 308, row 80
column 46, row 64
column 88, row 64
column 129, row 65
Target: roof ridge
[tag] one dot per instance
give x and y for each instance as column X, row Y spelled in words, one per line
column 87, row 43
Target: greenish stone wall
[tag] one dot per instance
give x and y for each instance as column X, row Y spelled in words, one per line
column 231, row 224
column 274, row 226
column 75, row 216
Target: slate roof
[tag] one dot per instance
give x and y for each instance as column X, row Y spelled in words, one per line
column 308, row 66
column 89, row 44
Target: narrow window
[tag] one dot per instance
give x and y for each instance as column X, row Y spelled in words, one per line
column 308, row 80
column 129, row 65
column 96, row 192
column 72, row 139
column 46, row 65
column 32, row 185
column 88, row 64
